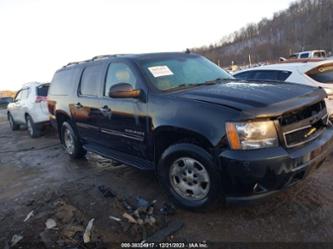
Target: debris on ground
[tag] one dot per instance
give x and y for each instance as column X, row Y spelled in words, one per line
column 50, row 223
column 168, row 230
column 87, row 232
column 114, row 218
column 29, row 216
column 127, row 206
column 107, row 192
column 141, row 202
column 168, row 209
column 129, row 218
column 16, row 239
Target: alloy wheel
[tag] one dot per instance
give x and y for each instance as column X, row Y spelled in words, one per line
column 69, row 141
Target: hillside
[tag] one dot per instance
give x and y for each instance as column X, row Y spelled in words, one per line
column 7, row 94
column 305, row 25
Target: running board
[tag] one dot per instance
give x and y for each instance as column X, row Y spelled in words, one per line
column 120, row 157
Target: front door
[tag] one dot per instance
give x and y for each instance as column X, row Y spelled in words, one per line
column 123, row 124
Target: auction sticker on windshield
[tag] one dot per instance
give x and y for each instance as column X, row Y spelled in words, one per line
column 160, row 71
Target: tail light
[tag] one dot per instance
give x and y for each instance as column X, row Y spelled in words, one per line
column 40, row 99
column 51, row 106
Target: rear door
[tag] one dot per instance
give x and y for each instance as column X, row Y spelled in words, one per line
column 86, row 109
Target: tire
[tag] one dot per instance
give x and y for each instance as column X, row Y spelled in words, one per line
column 12, row 123
column 71, row 142
column 33, row 129
column 187, row 169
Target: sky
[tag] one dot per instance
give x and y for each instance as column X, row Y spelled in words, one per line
column 39, row 36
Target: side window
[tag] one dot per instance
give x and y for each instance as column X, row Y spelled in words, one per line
column 283, row 75
column 25, row 93
column 304, row 55
column 62, row 81
column 119, row 72
column 266, row 75
column 91, row 79
column 245, row 75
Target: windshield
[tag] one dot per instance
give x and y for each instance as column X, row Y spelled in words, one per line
column 182, row 71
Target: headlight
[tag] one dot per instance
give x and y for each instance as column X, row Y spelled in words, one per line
column 252, row 135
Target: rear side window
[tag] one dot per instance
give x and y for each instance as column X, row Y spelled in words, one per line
column 42, row 90
column 91, row 79
column 245, row 75
column 322, row 74
column 61, row 82
column 274, row 75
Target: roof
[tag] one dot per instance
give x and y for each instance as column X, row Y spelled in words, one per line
column 129, row 56
column 301, row 66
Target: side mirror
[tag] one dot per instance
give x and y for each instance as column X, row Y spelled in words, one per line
column 123, row 90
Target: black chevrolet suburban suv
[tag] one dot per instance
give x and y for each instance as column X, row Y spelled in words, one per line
column 206, row 134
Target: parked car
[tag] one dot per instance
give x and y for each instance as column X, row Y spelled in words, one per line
column 4, row 101
column 309, row 54
column 206, row 134
column 30, row 108
column 317, row 74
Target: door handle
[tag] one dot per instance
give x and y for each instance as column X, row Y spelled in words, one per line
column 78, row 105
column 105, row 109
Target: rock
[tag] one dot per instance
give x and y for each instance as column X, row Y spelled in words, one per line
column 16, row 239
column 50, row 224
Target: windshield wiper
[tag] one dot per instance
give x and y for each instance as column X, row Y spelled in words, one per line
column 206, row 83
column 217, row 81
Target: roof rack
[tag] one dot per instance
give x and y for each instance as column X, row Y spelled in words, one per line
column 95, row 58
column 103, row 57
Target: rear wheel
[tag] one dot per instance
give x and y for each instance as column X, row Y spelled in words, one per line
column 33, row 129
column 12, row 123
column 190, row 176
column 71, row 142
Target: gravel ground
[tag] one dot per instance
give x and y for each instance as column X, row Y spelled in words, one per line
column 36, row 175
column 3, row 114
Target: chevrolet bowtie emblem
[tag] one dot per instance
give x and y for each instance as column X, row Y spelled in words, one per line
column 310, row 132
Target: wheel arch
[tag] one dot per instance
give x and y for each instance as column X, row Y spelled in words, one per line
column 166, row 136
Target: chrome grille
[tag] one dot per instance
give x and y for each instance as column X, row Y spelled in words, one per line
column 301, row 126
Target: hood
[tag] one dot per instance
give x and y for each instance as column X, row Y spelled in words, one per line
column 259, row 99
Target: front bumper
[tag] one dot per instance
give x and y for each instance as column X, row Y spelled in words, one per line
column 254, row 174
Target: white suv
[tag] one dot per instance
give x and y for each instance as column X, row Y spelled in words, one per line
column 30, row 108
column 311, row 72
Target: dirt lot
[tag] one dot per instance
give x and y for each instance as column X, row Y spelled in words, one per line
column 36, row 175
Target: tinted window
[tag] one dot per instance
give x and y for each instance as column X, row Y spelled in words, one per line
column 119, row 73
column 245, row 75
column 304, row 55
column 91, row 78
column 274, row 75
column 42, row 90
column 323, row 74
column 61, row 81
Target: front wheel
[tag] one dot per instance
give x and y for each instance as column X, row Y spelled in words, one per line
column 190, row 176
column 71, row 142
